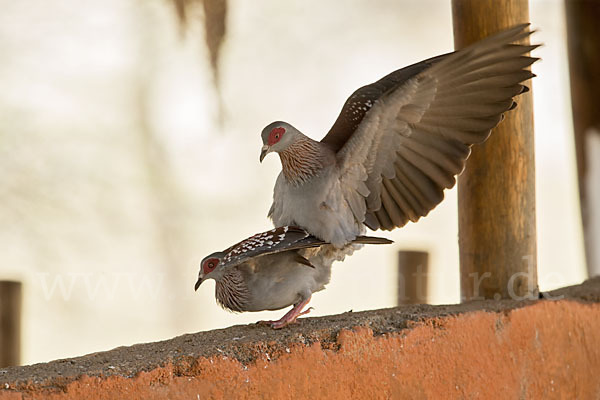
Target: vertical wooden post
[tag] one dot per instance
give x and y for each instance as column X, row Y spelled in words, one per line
column 496, row 192
column 412, row 277
column 10, row 323
column 583, row 38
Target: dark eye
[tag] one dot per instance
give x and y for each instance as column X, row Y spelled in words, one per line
column 277, row 136
column 210, row 265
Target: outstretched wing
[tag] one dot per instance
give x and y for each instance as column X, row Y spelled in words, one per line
column 361, row 101
column 414, row 138
column 284, row 238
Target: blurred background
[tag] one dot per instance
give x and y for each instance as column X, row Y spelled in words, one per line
column 129, row 144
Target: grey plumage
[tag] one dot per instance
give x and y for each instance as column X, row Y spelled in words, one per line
column 398, row 143
column 396, row 146
column 259, row 273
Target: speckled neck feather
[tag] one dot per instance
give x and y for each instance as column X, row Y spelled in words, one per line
column 231, row 291
column 302, row 160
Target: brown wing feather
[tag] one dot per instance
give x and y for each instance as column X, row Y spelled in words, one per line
column 284, row 238
column 361, row 101
column 417, row 136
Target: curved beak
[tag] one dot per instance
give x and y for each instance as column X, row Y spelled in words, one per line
column 197, row 285
column 264, row 151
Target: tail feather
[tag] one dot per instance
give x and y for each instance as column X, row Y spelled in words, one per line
column 372, row 240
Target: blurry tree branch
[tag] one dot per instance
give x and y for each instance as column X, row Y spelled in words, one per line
column 164, row 196
column 215, row 16
column 167, row 199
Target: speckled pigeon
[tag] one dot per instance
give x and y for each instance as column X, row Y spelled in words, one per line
column 397, row 143
column 273, row 270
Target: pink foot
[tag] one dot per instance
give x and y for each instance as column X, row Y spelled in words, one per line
column 290, row 317
column 281, row 323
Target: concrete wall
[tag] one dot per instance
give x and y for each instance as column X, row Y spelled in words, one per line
column 505, row 350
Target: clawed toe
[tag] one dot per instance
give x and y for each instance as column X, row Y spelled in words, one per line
column 275, row 324
column 309, row 309
column 289, row 318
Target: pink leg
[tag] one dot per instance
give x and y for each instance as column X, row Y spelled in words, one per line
column 290, row 317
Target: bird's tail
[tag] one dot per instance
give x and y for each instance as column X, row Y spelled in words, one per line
column 371, row 240
column 327, row 253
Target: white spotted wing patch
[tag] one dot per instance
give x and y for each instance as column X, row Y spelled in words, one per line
column 363, row 99
column 358, row 105
column 283, row 238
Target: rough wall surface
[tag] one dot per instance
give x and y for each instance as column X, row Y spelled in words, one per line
column 494, row 350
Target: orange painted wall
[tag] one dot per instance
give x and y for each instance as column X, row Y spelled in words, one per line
column 550, row 349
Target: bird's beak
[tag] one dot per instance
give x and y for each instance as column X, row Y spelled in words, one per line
column 197, row 285
column 264, row 151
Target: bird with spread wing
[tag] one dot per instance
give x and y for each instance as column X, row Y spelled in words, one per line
column 394, row 148
column 398, row 142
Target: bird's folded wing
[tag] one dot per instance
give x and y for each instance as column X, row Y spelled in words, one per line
column 272, row 241
column 416, row 137
column 284, row 238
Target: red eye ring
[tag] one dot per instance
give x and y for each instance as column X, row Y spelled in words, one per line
column 210, row 265
column 275, row 135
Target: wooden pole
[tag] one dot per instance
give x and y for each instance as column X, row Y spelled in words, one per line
column 412, row 277
column 496, row 192
column 10, row 323
column 583, row 38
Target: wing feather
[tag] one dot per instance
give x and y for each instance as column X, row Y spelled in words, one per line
column 384, row 219
column 393, row 202
column 415, row 137
column 284, row 238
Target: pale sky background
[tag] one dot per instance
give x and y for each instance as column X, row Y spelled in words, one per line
column 117, row 178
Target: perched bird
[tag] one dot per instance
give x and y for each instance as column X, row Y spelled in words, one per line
column 397, row 143
column 272, row 270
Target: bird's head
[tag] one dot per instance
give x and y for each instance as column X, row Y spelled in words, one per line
column 210, row 268
column 277, row 136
